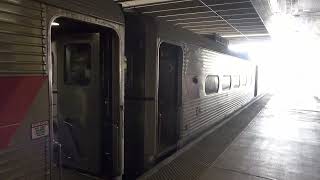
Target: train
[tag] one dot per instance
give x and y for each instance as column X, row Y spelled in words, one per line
column 89, row 91
column 178, row 86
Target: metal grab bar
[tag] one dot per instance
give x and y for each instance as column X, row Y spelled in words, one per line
column 60, row 158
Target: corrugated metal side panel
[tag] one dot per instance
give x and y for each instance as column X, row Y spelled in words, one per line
column 24, row 157
column 22, row 37
column 105, row 9
column 199, row 110
column 23, row 61
column 212, row 109
column 30, row 162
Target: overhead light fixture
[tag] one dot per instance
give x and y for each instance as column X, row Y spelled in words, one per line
column 55, row 24
column 247, row 35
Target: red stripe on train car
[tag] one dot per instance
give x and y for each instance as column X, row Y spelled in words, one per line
column 16, row 97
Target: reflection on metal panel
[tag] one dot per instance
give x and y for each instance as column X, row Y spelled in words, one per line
column 22, row 48
column 210, row 110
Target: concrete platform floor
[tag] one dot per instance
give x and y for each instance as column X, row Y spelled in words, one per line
column 69, row 174
column 276, row 139
column 281, row 143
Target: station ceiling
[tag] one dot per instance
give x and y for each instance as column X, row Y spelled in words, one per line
column 232, row 19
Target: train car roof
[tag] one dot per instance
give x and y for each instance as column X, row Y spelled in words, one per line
column 104, row 9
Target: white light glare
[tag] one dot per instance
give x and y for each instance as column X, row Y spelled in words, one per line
column 286, row 65
column 274, row 6
column 55, row 24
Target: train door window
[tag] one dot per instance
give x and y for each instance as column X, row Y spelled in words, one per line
column 211, row 84
column 243, row 80
column 169, row 97
column 236, row 81
column 226, row 82
column 77, row 64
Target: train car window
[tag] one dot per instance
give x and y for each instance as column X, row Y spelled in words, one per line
column 250, row 80
column 226, row 82
column 212, row 84
column 236, row 81
column 77, row 64
column 243, row 80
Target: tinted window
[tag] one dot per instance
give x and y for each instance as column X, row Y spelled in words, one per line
column 212, row 84
column 236, row 81
column 250, row 79
column 226, row 82
column 243, row 80
column 77, row 64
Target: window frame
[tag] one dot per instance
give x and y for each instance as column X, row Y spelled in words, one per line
column 218, row 85
column 230, row 80
column 68, row 78
column 234, row 80
column 245, row 78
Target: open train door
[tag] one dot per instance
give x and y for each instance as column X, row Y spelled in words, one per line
column 79, row 101
column 169, row 97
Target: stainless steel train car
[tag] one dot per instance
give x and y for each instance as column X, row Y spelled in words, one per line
column 178, row 85
column 62, row 89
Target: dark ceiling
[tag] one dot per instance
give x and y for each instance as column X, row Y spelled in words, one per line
column 233, row 19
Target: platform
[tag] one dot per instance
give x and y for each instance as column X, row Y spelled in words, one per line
column 275, row 138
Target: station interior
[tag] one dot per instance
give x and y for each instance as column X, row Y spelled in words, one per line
column 163, row 90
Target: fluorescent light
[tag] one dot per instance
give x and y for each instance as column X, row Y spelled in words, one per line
column 55, row 24
column 247, row 35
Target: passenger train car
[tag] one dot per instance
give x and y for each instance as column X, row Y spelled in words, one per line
column 61, row 88
column 64, row 76
column 178, row 85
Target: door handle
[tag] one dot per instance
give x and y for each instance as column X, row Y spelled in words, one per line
column 159, row 128
column 56, row 143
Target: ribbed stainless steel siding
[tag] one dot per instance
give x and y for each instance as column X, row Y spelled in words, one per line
column 199, row 111
column 212, row 109
column 25, row 158
column 22, row 37
column 25, row 162
column 104, row 9
column 22, row 52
